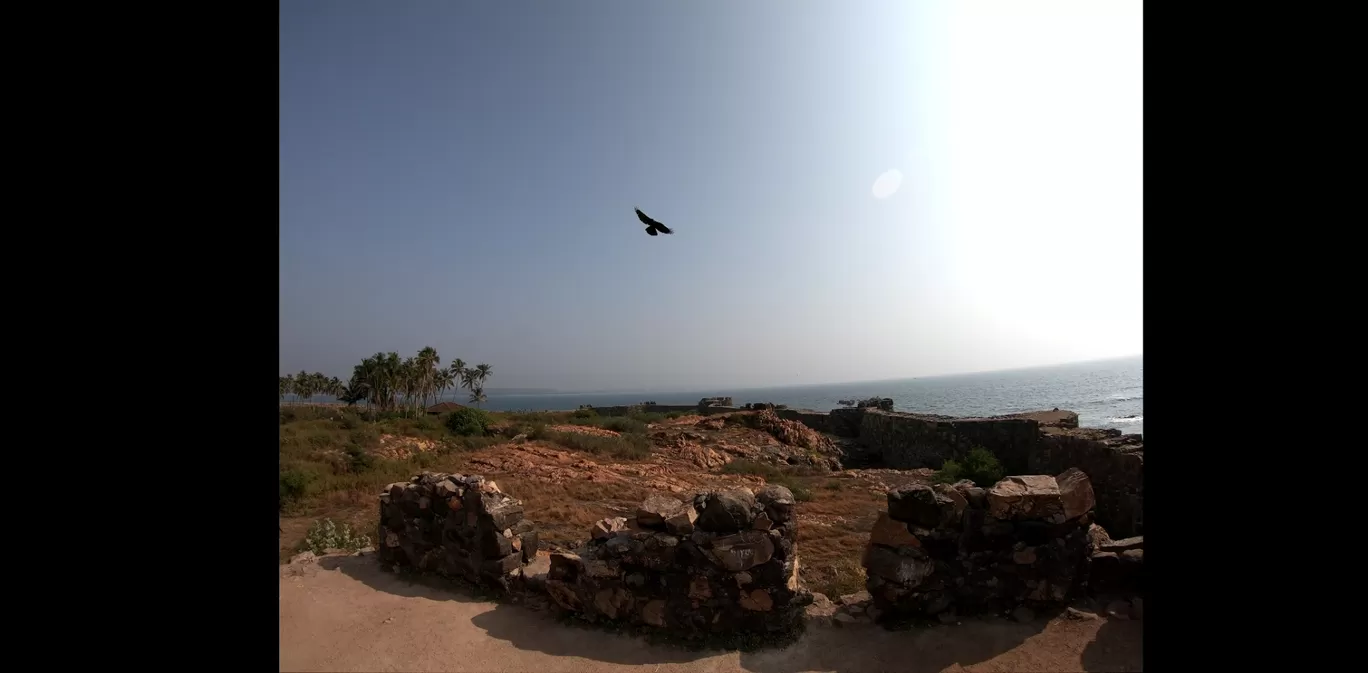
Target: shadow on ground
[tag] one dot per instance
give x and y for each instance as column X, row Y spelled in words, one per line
column 1118, row 647
column 849, row 649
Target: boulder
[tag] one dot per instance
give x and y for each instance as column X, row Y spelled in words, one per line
column 1075, row 493
column 778, row 502
column 922, row 505
column 890, row 533
column 681, row 521
column 736, row 553
column 757, row 600
column 908, row 571
column 653, row 613
column 604, row 528
column 657, row 508
column 728, row 511
column 1126, row 544
column 1028, row 497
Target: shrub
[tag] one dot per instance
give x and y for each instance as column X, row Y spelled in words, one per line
column 471, row 443
column 468, row 422
column 294, row 485
column 539, row 431
column 585, row 412
column 979, row 466
column 627, row 446
column 674, row 414
column 624, row 425
column 358, row 460
column 324, row 535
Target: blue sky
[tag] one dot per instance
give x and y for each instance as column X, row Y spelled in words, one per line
column 462, row 175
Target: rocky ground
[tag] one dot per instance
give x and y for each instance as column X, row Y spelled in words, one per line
column 566, row 491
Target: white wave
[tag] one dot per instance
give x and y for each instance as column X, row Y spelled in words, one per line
column 1121, row 397
column 1132, row 419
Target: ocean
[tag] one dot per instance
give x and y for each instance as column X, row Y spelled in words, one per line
column 1104, row 393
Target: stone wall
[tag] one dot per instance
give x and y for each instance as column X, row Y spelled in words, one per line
column 719, row 563
column 909, row 441
column 962, row 550
column 1114, row 462
column 455, row 525
column 817, row 420
column 845, row 422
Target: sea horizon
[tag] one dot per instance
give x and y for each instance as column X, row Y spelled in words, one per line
column 1104, row 393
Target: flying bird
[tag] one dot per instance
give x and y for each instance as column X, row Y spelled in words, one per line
column 652, row 227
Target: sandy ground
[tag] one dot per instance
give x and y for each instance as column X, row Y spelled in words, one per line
column 345, row 614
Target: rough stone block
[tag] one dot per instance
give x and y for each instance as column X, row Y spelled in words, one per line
column 604, row 528
column 891, row 533
column 1075, row 493
column 736, row 553
column 1026, row 497
column 922, row 505
column 727, row 512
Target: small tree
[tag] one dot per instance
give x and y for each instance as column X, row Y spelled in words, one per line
column 467, row 422
column 979, row 466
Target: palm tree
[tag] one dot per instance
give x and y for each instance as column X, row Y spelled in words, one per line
column 445, row 379
column 457, row 370
column 303, row 386
column 427, row 365
column 286, row 386
column 477, row 395
column 482, row 373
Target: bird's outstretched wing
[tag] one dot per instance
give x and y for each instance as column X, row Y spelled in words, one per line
column 646, row 219
column 652, row 227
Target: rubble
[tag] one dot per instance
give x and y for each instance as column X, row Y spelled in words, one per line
column 457, row 526
column 1022, row 545
column 721, row 562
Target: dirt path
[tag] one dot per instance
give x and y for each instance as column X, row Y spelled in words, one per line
column 345, row 614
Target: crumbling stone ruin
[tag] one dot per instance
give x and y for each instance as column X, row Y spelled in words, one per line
column 963, row 549
column 457, row 526
column 720, row 562
column 715, row 402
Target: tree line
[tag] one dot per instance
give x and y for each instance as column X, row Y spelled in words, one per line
column 386, row 382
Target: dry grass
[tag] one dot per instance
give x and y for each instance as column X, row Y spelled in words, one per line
column 564, row 512
column 336, row 457
column 833, row 530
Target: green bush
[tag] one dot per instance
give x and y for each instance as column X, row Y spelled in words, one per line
column 674, row 414
column 294, row 485
column 627, row 446
column 358, row 460
column 468, row 422
column 539, row 431
column 584, row 412
column 624, row 425
column 324, row 535
column 980, row 467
